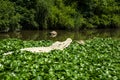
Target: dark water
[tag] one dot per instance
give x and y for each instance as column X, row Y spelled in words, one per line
column 62, row 34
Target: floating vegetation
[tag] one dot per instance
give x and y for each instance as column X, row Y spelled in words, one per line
column 97, row 59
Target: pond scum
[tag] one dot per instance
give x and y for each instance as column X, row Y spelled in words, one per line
column 97, row 59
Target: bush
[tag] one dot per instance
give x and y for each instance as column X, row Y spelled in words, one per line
column 9, row 19
column 59, row 14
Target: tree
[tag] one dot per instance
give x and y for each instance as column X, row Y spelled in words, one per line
column 9, row 19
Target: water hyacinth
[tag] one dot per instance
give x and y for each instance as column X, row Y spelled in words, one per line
column 97, row 59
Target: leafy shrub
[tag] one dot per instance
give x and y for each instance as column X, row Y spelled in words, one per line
column 59, row 14
column 9, row 18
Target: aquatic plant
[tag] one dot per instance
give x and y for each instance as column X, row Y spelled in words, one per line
column 98, row 58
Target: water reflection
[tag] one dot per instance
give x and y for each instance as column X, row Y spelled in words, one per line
column 62, row 35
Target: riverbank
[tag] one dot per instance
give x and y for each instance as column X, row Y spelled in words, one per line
column 58, row 14
column 98, row 58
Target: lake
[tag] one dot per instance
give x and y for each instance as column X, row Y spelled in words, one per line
column 62, row 34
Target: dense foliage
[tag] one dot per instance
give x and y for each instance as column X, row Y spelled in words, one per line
column 9, row 18
column 97, row 59
column 59, row 14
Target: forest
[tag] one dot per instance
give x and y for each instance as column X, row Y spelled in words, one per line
column 59, row 14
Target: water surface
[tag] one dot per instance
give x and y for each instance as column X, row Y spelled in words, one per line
column 62, row 34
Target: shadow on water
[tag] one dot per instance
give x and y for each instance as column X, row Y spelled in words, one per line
column 62, row 34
